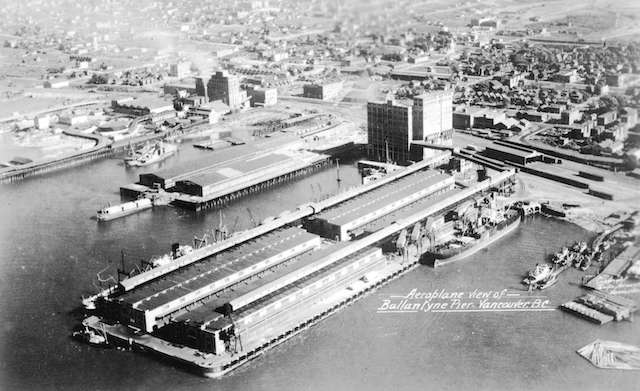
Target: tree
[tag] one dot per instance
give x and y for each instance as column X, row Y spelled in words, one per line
column 98, row 79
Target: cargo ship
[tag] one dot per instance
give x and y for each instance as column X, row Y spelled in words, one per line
column 150, row 154
column 466, row 242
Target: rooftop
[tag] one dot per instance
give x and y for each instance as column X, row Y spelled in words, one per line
column 380, row 197
column 217, row 267
column 207, row 312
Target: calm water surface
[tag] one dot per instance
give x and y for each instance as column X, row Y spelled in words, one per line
column 52, row 250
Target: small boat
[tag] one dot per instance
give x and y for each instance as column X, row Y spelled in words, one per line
column 548, row 282
column 540, row 273
column 582, row 247
column 561, row 256
column 586, row 263
column 90, row 336
column 89, row 303
column 577, row 260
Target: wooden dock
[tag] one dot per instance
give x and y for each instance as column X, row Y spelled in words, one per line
column 586, row 312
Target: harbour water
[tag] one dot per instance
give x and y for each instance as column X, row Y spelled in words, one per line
column 52, row 249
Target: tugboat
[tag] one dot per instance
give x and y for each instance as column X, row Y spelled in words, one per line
column 577, row 260
column 586, row 262
column 90, row 336
column 560, row 258
column 539, row 274
column 151, row 154
column 549, row 281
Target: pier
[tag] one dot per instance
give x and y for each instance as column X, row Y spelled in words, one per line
column 248, row 187
column 240, row 296
column 103, row 148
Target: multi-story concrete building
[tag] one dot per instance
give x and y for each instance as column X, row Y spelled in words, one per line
column 180, row 69
column 201, row 88
column 393, row 127
column 322, row 91
column 225, row 87
column 263, row 96
column 433, row 118
column 390, row 131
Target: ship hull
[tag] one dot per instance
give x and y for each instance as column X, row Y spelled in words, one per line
column 126, row 209
column 114, row 216
column 441, row 258
column 137, row 163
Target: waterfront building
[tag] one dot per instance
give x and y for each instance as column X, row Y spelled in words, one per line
column 158, row 109
column 225, row 87
column 392, row 127
column 433, row 117
column 389, row 131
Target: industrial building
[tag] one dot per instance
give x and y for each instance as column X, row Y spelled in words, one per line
column 263, row 96
column 157, row 109
column 432, row 118
column 392, row 126
column 225, row 87
column 180, row 69
column 342, row 221
column 201, row 88
column 273, row 295
column 204, row 183
column 389, row 131
column 322, row 91
column 515, row 155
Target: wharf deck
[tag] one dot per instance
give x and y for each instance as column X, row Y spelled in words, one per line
column 614, row 270
column 586, row 312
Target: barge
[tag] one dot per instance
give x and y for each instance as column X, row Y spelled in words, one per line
column 113, row 212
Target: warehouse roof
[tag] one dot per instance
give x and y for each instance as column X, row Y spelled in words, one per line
column 237, row 168
column 380, row 197
column 207, row 312
column 512, row 151
column 289, row 289
column 209, row 270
